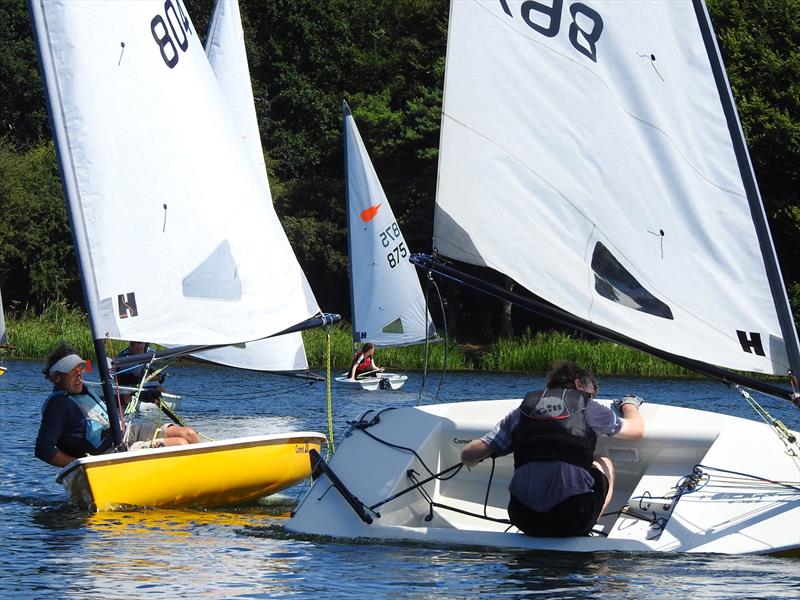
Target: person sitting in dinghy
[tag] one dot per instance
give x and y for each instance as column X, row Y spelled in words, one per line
column 133, row 376
column 559, row 487
column 363, row 363
column 75, row 420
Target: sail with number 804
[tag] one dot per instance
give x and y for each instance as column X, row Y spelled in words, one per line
column 175, row 234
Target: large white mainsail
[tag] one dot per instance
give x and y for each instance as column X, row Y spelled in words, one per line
column 226, row 52
column 176, row 238
column 591, row 152
column 388, row 307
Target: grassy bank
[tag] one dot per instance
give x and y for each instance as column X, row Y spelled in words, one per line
column 33, row 335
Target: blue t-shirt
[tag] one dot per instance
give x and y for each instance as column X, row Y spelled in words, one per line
column 541, row 485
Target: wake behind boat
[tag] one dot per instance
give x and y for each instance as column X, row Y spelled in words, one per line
column 145, row 170
column 618, row 191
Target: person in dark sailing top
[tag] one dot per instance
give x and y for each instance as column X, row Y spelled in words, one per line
column 133, row 375
column 559, row 487
column 363, row 363
column 75, row 420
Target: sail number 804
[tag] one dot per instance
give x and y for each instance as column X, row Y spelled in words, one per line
column 178, row 25
column 545, row 18
column 399, row 251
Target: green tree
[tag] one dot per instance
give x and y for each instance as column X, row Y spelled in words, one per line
column 760, row 43
column 37, row 262
column 23, row 116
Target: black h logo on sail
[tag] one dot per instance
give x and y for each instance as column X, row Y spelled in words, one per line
column 127, row 305
column 752, row 344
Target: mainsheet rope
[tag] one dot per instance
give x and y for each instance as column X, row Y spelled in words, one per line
column 701, row 475
column 362, row 424
column 328, row 376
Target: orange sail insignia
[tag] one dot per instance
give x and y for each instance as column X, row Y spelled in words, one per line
column 369, row 213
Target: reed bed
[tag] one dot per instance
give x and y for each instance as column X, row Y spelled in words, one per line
column 535, row 354
column 32, row 335
column 405, row 357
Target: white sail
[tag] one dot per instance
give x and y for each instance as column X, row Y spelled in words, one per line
column 177, row 240
column 3, row 336
column 587, row 153
column 387, row 301
column 226, row 52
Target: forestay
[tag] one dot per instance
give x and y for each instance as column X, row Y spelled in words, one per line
column 591, row 152
column 387, row 302
column 227, row 54
column 177, row 240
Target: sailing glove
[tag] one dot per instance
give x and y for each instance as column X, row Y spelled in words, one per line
column 634, row 400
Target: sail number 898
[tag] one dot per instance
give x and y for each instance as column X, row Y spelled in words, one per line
column 389, row 235
column 584, row 30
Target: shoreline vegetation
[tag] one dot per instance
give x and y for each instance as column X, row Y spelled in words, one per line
column 32, row 335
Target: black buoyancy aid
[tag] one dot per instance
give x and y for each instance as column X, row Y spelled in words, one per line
column 552, row 426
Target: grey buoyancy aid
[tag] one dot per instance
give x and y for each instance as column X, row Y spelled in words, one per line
column 552, row 426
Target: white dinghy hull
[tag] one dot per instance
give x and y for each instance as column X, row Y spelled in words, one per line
column 725, row 512
column 381, row 381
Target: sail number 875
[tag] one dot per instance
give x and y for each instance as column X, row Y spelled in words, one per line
column 399, row 251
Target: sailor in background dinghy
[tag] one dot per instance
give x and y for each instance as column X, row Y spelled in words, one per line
column 363, row 364
column 559, row 488
column 75, row 420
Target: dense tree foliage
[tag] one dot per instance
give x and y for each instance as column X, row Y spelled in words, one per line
column 386, row 59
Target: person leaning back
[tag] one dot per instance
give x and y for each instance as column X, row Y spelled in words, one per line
column 559, row 487
column 75, row 420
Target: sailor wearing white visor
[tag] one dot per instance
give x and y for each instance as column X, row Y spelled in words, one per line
column 75, row 420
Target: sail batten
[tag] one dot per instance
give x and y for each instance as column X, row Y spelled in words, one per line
column 587, row 154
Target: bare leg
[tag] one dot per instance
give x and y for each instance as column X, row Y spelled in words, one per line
column 607, row 467
column 177, row 432
column 174, row 441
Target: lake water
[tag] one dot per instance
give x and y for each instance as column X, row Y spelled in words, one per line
column 50, row 549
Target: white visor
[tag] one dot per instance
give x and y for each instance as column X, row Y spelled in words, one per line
column 66, row 364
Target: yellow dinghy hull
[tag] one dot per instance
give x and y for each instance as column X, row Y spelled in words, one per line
column 207, row 474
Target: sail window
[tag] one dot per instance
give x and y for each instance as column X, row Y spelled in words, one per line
column 614, row 282
column 216, row 278
column 395, row 326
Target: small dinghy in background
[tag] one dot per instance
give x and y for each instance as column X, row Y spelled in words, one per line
column 378, row 381
column 387, row 304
